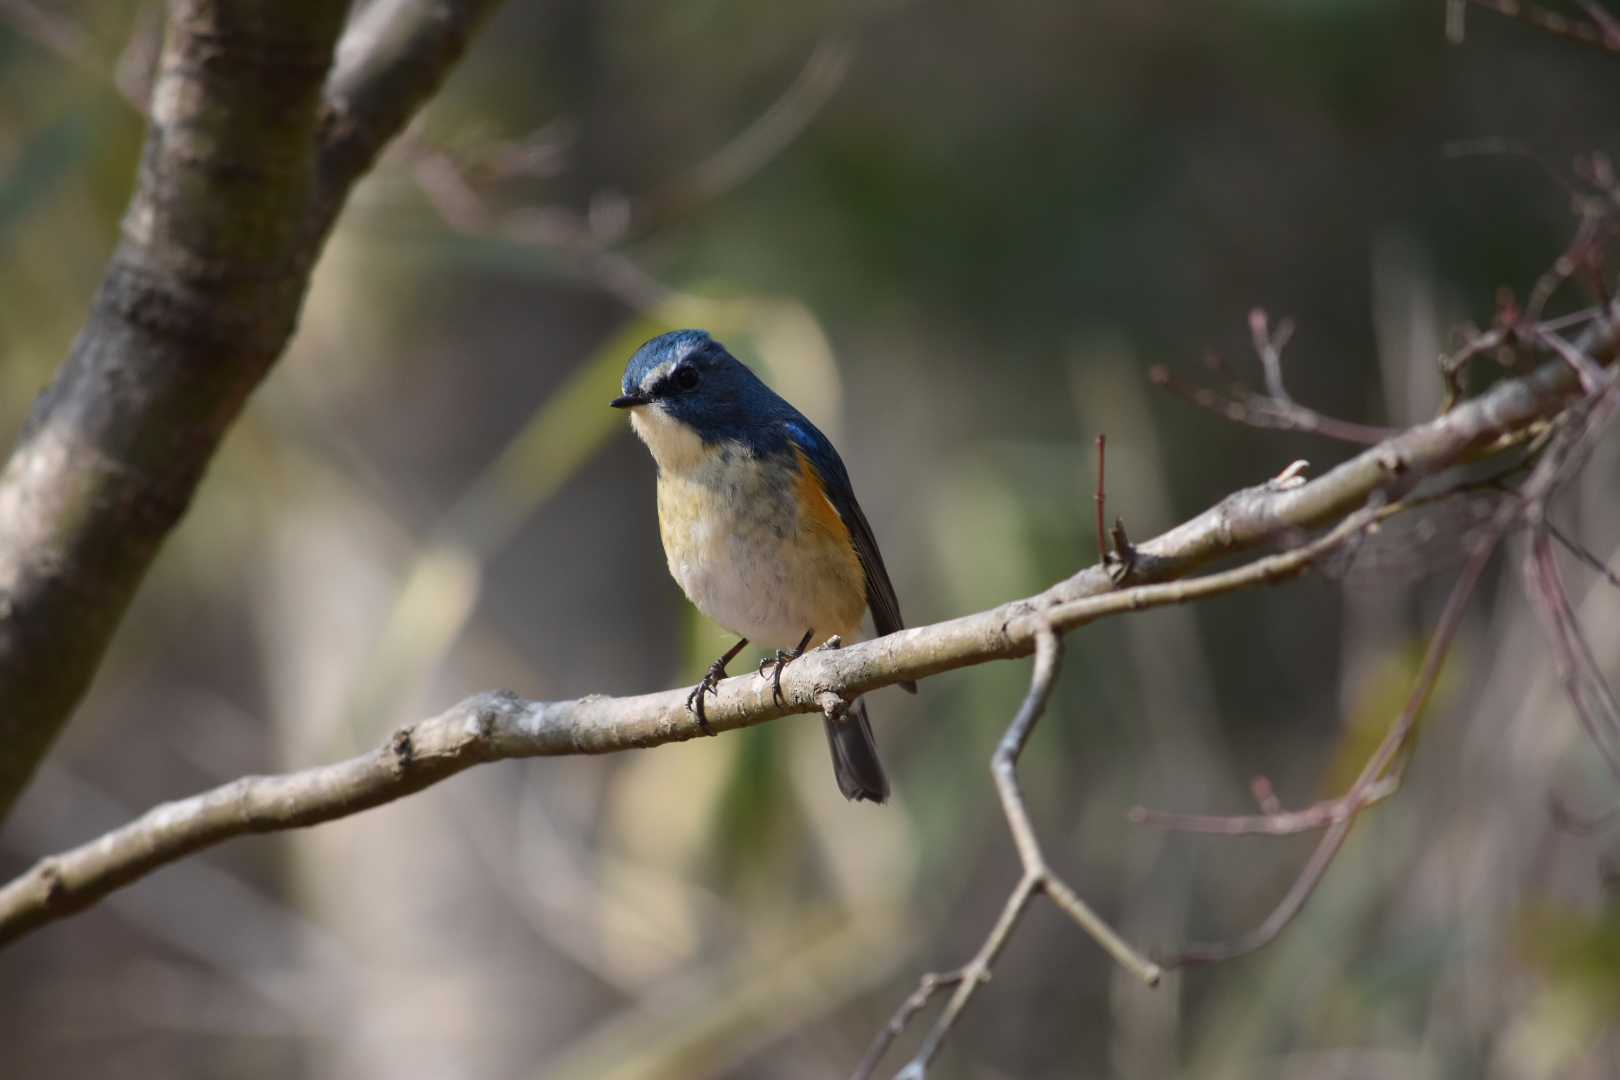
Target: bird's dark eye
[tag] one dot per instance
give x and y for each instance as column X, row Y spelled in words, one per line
column 685, row 378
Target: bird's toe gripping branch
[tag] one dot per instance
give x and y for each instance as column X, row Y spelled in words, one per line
column 708, row 685
column 782, row 659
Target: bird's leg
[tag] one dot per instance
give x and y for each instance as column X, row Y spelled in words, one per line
column 781, row 659
column 716, row 672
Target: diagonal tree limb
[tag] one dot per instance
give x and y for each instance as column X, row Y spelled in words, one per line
column 195, row 304
column 247, row 161
column 487, row 727
column 496, row 725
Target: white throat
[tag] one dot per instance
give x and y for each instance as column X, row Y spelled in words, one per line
column 674, row 445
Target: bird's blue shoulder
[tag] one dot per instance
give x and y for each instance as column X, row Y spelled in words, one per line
column 800, row 434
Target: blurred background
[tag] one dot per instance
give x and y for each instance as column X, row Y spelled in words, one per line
column 957, row 236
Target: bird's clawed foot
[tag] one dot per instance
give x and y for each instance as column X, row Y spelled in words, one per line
column 711, row 680
column 782, row 658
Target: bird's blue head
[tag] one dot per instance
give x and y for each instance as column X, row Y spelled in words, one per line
column 684, row 386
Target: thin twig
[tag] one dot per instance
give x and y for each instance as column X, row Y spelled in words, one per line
column 1101, row 499
column 1265, row 796
column 1593, row 378
column 1604, row 21
column 593, row 242
column 1037, row 878
column 1583, row 553
column 1310, row 876
column 929, row 985
column 1597, row 34
column 1268, row 346
column 1572, row 443
column 1577, row 668
column 1276, row 409
column 1453, row 365
column 751, row 149
column 1275, row 821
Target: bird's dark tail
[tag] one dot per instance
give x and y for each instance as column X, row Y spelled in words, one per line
column 855, row 756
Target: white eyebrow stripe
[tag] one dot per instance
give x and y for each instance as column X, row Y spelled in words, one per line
column 651, row 379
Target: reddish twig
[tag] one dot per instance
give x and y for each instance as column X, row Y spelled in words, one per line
column 1583, row 554
column 1588, row 691
column 455, row 184
column 1101, row 499
column 1276, row 409
column 1599, row 33
column 1373, row 773
column 1274, row 821
column 1593, row 378
column 1569, row 447
column 1265, row 796
column 1570, row 260
column 1454, row 364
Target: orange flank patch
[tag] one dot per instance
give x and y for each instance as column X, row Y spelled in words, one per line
column 820, row 515
column 820, row 518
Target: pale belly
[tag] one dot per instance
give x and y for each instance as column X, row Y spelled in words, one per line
column 742, row 556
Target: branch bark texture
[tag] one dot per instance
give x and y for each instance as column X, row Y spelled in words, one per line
column 249, row 154
column 496, row 725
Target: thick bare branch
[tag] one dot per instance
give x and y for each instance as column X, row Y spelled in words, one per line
column 195, row 304
column 494, row 726
column 243, row 172
column 487, row 727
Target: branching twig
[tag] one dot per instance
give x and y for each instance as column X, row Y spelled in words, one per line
column 1373, row 773
column 1275, row 821
column 1588, row 691
column 593, row 241
column 1037, row 878
column 929, row 985
column 1275, row 409
column 1581, row 425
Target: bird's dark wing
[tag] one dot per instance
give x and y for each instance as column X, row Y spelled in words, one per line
column 880, row 598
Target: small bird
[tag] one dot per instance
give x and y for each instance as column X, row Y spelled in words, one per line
column 760, row 524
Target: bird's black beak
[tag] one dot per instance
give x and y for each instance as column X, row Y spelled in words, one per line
column 629, row 400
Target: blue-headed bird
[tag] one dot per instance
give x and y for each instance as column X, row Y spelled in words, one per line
column 760, row 524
